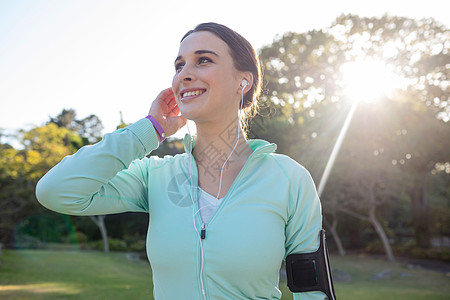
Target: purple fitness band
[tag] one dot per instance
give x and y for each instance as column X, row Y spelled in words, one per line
column 158, row 128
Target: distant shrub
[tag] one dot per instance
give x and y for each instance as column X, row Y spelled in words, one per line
column 138, row 246
column 24, row 241
column 418, row 253
column 75, row 238
column 442, row 254
column 114, row 245
column 117, row 245
column 412, row 251
column 374, row 247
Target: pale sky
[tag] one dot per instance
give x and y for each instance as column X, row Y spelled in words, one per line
column 106, row 56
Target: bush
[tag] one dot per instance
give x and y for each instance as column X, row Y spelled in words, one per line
column 138, row 246
column 114, row 245
column 75, row 238
column 411, row 251
column 23, row 241
column 47, row 227
column 404, row 249
column 374, row 247
column 442, row 254
column 418, row 253
column 117, row 245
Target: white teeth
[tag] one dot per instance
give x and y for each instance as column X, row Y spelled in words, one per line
column 192, row 93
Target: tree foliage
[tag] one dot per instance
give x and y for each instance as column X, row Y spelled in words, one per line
column 89, row 128
column 392, row 146
column 20, row 169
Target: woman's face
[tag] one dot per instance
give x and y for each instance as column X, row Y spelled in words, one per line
column 206, row 83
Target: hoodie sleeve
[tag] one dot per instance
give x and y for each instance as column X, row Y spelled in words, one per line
column 304, row 223
column 105, row 178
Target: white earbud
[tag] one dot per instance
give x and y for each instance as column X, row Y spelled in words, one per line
column 244, row 83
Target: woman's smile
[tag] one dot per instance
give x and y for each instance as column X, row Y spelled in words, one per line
column 188, row 94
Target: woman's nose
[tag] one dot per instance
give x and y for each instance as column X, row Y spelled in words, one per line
column 187, row 73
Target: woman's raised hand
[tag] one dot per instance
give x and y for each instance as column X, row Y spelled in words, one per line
column 165, row 110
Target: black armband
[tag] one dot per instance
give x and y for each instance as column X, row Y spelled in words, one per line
column 307, row 272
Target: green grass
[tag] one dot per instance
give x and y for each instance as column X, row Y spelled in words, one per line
column 419, row 285
column 44, row 274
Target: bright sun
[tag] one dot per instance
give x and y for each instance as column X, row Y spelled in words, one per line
column 368, row 79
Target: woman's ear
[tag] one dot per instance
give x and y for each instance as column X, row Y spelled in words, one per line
column 247, row 81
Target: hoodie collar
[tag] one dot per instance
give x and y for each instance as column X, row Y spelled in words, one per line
column 259, row 147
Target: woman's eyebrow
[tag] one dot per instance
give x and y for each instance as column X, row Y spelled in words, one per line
column 199, row 52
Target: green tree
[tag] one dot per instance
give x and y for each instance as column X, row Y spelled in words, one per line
column 421, row 143
column 43, row 147
column 306, row 93
column 89, row 128
column 363, row 178
column 438, row 187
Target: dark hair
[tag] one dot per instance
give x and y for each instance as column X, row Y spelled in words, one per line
column 244, row 57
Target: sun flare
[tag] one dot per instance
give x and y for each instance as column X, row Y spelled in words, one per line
column 369, row 79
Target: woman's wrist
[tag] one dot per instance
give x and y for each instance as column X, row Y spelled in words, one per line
column 158, row 128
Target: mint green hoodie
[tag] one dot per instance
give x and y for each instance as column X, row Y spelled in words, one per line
column 270, row 211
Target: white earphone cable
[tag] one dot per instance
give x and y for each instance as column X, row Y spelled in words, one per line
column 194, row 212
column 235, row 145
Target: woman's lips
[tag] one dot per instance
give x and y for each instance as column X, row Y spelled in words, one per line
column 191, row 93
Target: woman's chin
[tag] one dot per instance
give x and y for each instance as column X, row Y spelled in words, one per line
column 189, row 114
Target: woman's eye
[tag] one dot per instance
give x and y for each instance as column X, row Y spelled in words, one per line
column 179, row 66
column 203, row 60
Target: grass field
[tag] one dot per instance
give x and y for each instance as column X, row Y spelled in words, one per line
column 44, row 274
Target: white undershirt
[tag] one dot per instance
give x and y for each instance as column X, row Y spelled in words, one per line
column 207, row 204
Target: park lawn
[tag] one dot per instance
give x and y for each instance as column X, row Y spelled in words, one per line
column 44, row 274
column 417, row 284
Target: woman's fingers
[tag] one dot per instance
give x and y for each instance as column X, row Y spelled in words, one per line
column 171, row 105
column 159, row 106
column 165, row 110
column 174, row 111
column 166, row 100
column 164, row 95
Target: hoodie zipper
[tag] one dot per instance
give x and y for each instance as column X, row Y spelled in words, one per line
column 203, row 231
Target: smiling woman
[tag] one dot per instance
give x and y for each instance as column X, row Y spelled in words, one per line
column 223, row 215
